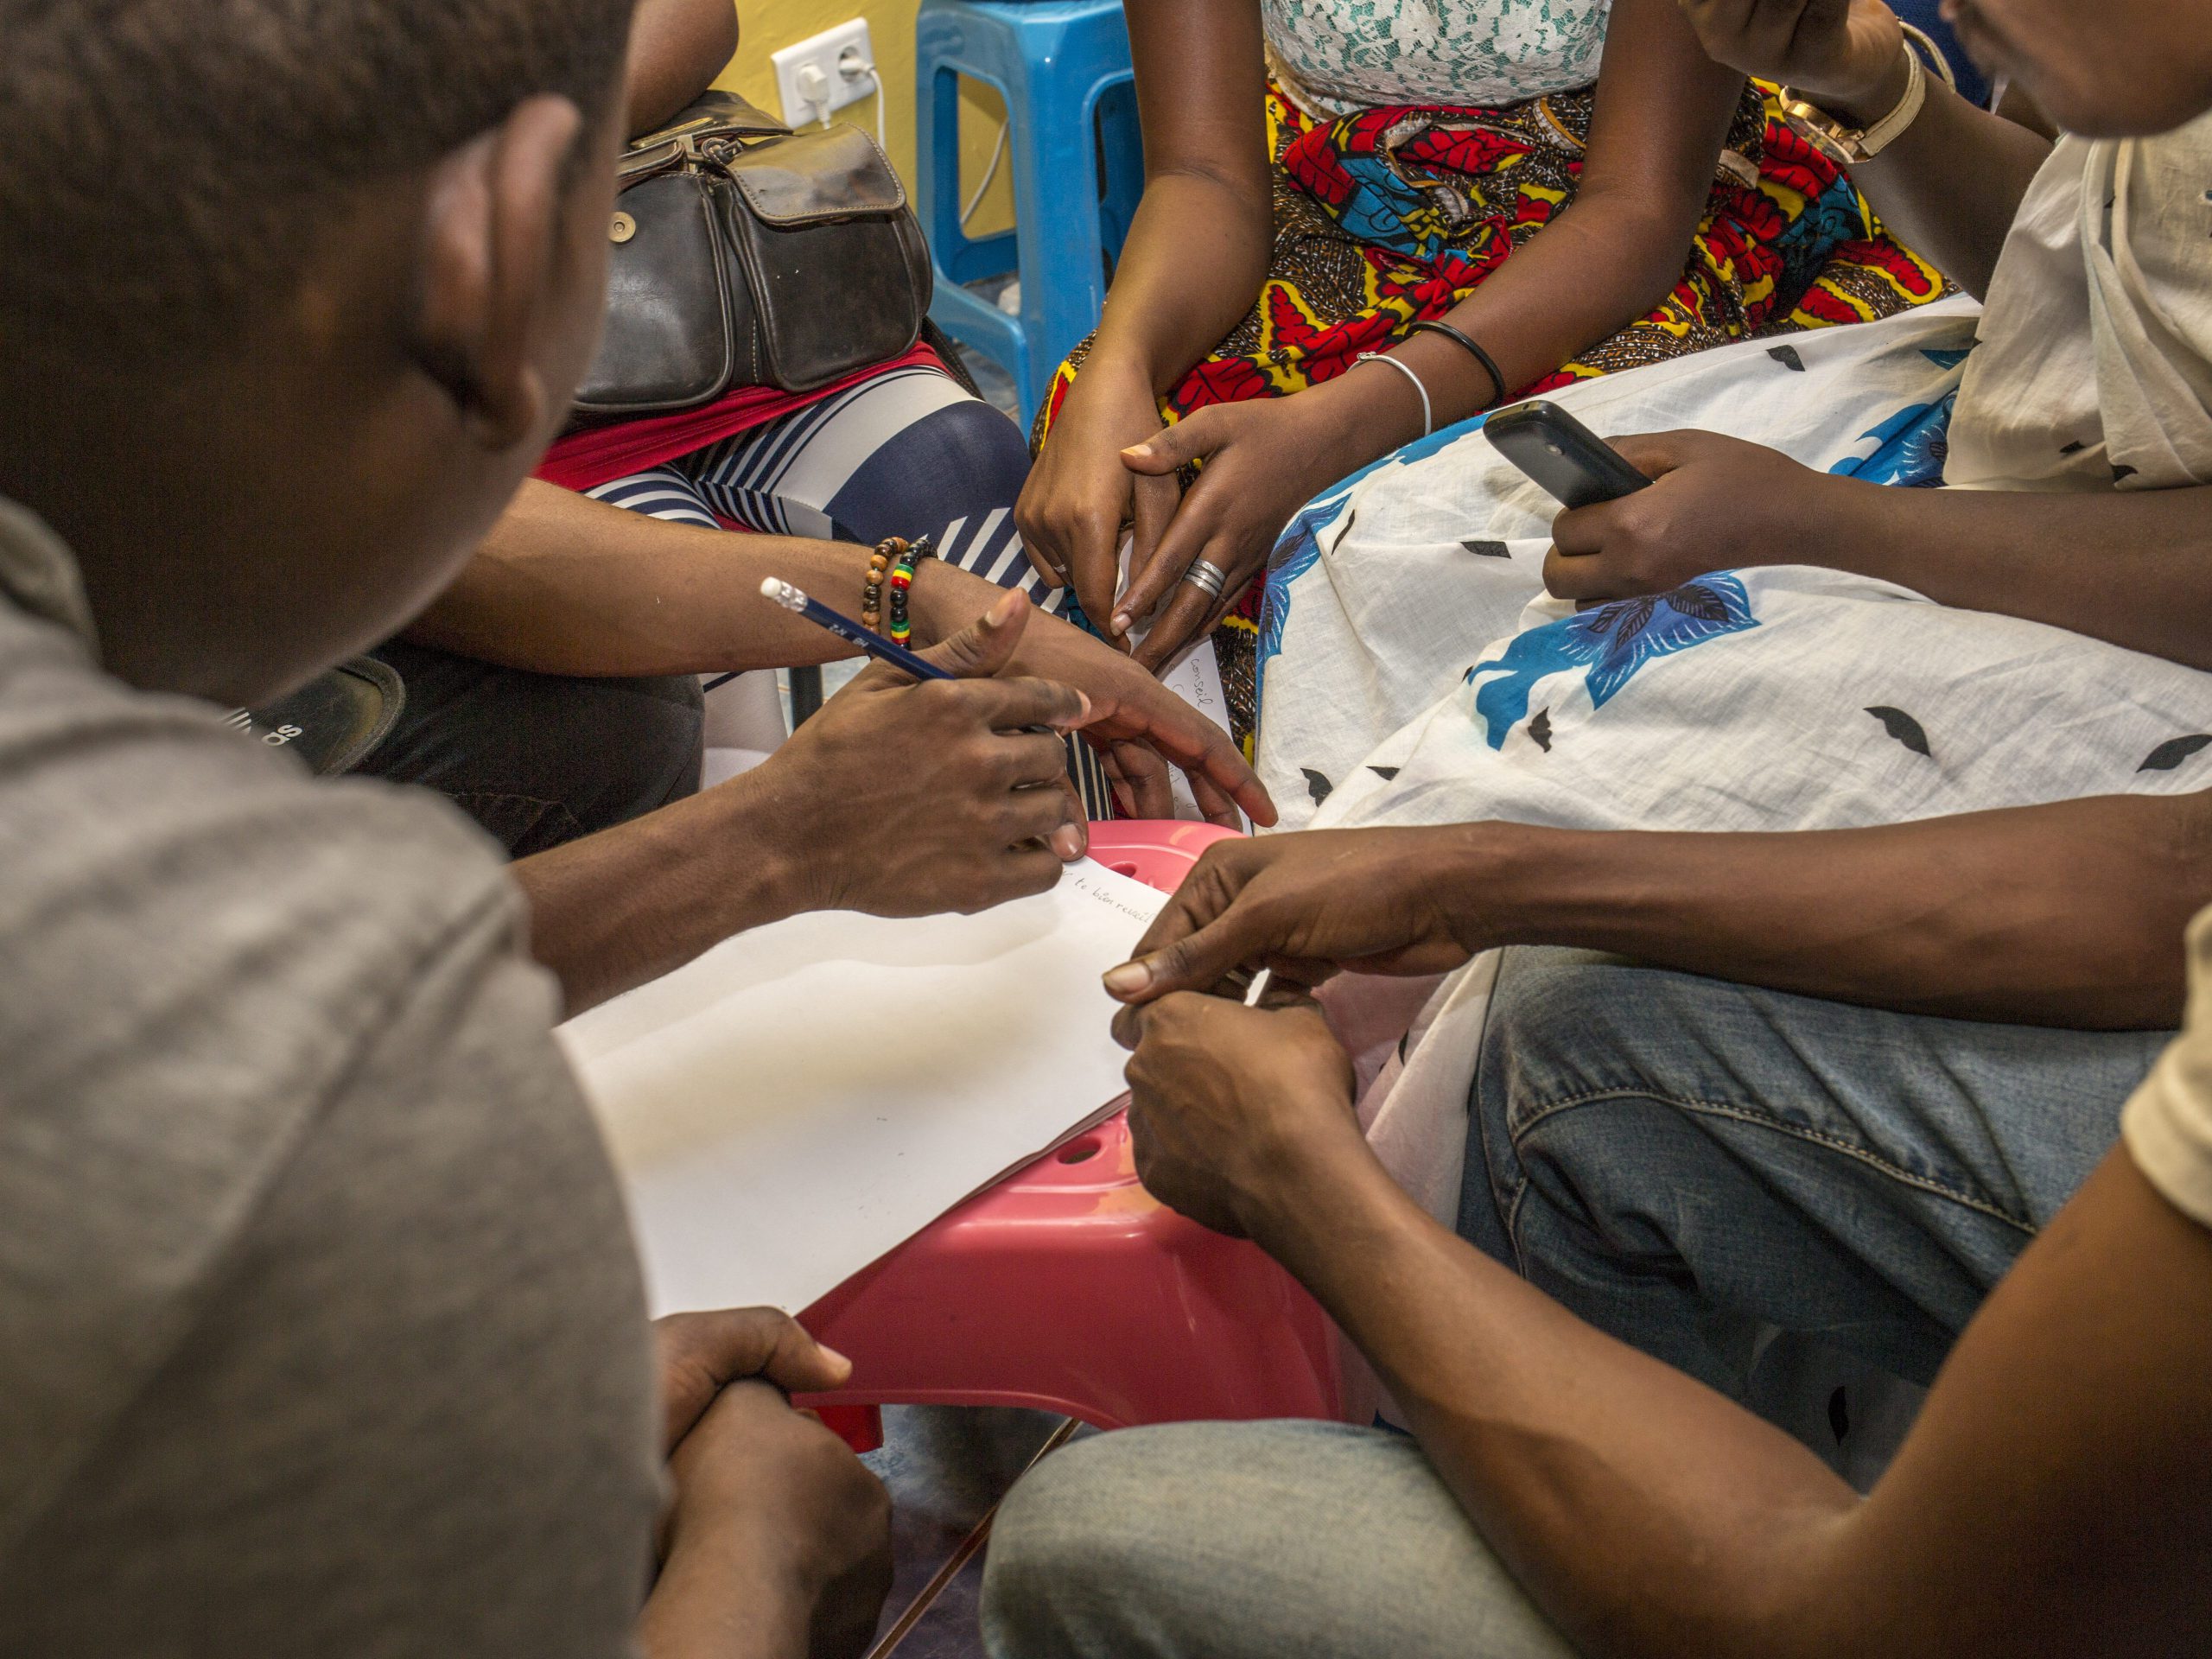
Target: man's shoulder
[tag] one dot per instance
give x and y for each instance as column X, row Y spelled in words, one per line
column 203, row 945
column 156, row 865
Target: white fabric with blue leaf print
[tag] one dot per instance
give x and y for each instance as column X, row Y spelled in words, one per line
column 1413, row 670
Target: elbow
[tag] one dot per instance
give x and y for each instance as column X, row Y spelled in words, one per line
column 1641, row 247
column 722, row 37
column 709, row 36
column 676, row 49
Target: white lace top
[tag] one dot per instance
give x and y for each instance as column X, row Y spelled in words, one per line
column 1336, row 56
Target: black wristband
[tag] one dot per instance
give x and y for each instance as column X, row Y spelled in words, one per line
column 1489, row 363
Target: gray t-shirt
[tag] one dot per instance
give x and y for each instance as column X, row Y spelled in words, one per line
column 321, row 1330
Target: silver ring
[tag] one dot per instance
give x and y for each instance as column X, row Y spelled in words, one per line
column 1208, row 578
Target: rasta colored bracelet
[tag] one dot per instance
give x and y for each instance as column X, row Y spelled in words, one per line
column 902, row 580
column 887, row 550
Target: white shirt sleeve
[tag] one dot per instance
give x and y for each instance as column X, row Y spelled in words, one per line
column 2168, row 1123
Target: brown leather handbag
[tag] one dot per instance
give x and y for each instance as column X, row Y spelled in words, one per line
column 745, row 254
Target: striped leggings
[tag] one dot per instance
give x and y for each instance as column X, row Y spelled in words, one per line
column 907, row 454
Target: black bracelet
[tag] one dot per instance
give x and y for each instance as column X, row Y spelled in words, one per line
column 1489, row 363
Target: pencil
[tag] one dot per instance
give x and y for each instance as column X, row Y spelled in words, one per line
column 795, row 600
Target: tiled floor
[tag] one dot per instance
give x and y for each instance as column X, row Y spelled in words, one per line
column 945, row 1466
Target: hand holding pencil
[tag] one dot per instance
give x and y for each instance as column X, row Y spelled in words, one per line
column 937, row 786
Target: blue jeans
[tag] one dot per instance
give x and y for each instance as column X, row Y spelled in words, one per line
column 1682, row 1161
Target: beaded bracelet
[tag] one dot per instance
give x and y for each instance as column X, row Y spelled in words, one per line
column 879, row 566
column 902, row 580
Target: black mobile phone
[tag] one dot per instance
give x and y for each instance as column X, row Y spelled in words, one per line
column 1570, row 461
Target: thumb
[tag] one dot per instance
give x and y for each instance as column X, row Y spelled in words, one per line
column 1197, row 962
column 1187, row 441
column 988, row 643
column 701, row 1354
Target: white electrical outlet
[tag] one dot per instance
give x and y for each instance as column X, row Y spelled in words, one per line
column 817, row 75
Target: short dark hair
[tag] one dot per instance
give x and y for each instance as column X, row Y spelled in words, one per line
column 165, row 165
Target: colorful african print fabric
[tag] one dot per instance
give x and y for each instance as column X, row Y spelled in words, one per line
column 1391, row 216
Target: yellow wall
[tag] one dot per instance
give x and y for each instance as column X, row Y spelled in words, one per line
column 765, row 26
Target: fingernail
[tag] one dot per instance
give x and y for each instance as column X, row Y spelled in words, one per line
column 1127, row 979
column 1122, row 620
column 1144, row 448
column 1067, row 841
column 835, row 1358
column 1082, row 698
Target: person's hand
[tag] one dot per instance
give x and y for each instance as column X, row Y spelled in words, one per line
column 1138, row 726
column 910, row 800
column 1846, row 55
column 1264, row 461
column 1305, row 906
column 778, row 1542
column 1079, row 495
column 701, row 1354
column 1233, row 1110
column 1715, row 504
column 767, row 1500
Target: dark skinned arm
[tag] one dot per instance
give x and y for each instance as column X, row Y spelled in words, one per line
column 677, row 49
column 1191, row 268
column 2049, row 1499
column 2063, row 914
column 2018, row 553
column 2023, row 555
column 1197, row 247
column 616, row 909
column 1948, row 185
column 566, row 585
column 778, row 1542
column 825, row 824
column 1662, row 113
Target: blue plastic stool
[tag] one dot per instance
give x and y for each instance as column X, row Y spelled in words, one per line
column 1063, row 68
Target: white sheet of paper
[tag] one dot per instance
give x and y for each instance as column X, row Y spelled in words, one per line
column 804, row 1097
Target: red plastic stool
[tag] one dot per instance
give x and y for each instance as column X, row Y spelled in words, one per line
column 1069, row 1287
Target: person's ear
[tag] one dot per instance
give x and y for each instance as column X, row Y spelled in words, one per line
column 492, row 277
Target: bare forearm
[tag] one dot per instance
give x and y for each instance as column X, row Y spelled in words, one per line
column 718, row 1602
column 1949, row 185
column 2022, row 555
column 616, row 909
column 2063, row 914
column 1191, row 267
column 1662, row 112
column 1599, row 267
column 1646, row 1515
column 1197, row 249
column 566, row 585
column 1652, row 1519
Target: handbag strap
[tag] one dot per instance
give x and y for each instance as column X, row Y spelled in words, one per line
column 714, row 115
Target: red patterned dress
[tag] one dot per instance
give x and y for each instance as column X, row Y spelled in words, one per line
column 1388, row 216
